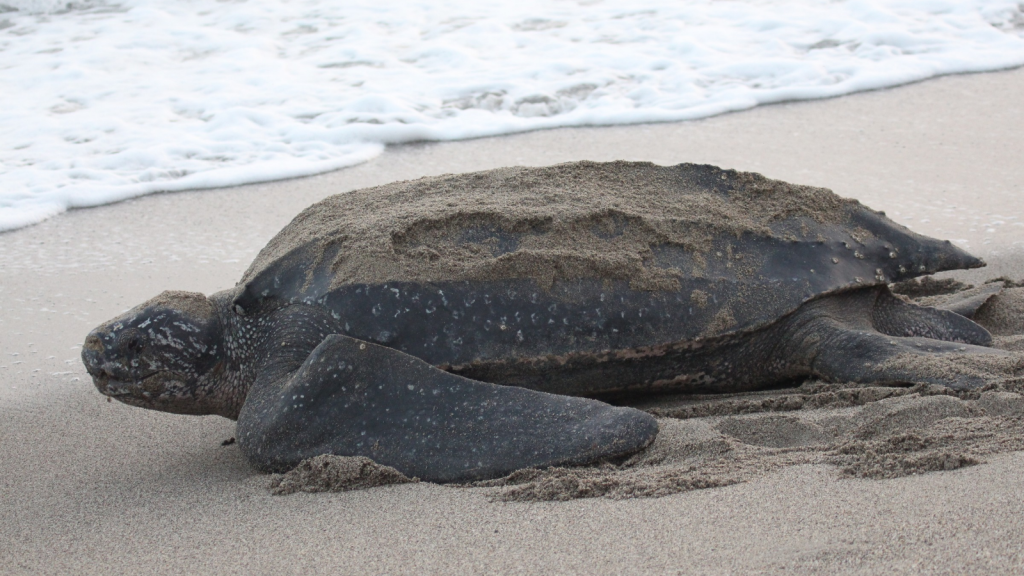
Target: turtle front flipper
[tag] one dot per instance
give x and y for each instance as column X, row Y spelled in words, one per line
column 353, row 398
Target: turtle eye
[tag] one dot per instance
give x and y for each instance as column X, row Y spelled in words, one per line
column 131, row 341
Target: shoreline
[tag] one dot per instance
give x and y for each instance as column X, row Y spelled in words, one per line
column 97, row 487
column 266, row 100
column 403, row 147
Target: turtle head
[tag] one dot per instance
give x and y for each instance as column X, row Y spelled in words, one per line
column 165, row 354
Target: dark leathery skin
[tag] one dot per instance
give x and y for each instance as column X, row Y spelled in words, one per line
column 354, row 398
column 161, row 358
column 745, row 283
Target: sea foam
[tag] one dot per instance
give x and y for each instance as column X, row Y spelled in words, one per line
column 102, row 101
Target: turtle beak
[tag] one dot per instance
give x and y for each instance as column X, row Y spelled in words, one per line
column 97, row 364
column 92, row 354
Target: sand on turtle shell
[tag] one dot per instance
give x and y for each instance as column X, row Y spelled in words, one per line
column 928, row 286
column 329, row 473
column 580, row 219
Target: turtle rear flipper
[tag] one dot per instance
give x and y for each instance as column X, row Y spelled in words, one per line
column 875, row 358
column 894, row 317
column 869, row 336
column 353, row 398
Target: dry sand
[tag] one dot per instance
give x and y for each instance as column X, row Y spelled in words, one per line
column 330, row 473
column 809, row 479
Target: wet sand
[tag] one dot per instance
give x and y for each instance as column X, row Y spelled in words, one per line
column 97, row 487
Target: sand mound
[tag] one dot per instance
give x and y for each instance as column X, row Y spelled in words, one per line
column 1003, row 314
column 328, row 473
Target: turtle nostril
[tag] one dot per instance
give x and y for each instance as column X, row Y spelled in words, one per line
column 91, row 359
column 93, row 342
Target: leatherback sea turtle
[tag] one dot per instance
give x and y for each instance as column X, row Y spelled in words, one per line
column 452, row 327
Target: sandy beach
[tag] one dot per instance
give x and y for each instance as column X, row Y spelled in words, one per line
column 91, row 487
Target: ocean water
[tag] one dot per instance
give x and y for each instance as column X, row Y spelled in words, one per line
column 106, row 100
